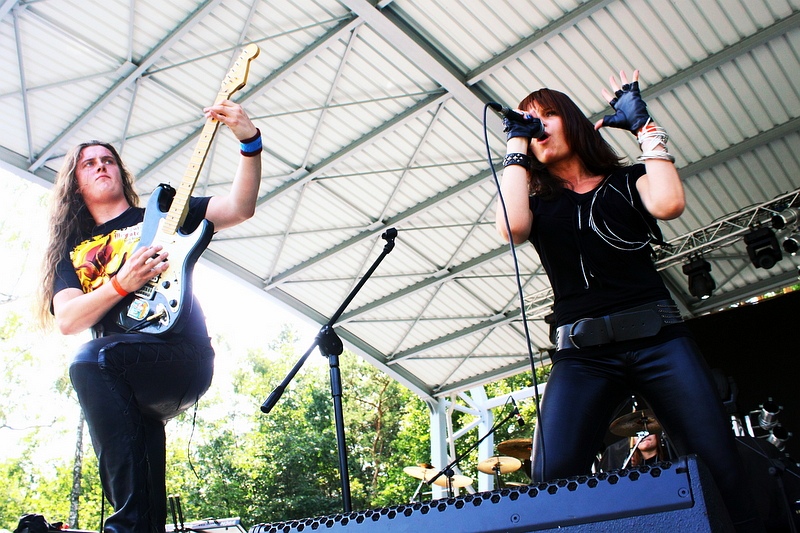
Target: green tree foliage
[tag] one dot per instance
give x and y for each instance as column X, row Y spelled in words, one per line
column 284, row 465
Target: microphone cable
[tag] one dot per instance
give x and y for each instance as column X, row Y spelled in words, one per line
column 539, row 430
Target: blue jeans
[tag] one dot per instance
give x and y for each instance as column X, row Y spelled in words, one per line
column 128, row 386
column 583, row 392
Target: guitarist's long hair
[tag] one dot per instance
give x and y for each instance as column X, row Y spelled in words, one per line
column 69, row 218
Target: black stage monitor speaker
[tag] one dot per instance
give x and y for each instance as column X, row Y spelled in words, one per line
column 670, row 496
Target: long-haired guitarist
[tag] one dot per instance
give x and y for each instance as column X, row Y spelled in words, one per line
column 129, row 383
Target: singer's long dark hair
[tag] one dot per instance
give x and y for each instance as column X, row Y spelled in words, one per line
column 598, row 157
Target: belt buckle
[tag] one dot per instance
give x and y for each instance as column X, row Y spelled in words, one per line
column 571, row 334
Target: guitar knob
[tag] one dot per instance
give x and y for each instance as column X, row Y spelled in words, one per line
column 165, row 284
column 173, row 303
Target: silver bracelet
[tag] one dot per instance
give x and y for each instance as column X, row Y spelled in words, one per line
column 653, row 142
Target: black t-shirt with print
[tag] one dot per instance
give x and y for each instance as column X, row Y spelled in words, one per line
column 95, row 256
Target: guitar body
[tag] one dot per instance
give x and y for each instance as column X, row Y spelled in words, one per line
column 157, row 307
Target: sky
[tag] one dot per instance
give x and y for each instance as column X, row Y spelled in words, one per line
column 256, row 322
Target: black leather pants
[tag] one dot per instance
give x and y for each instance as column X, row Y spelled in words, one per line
column 129, row 386
column 583, row 392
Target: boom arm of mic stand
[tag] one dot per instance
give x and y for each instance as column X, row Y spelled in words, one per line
column 457, row 460
column 327, row 330
column 276, row 394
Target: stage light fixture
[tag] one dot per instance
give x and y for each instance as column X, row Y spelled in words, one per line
column 788, row 218
column 791, row 245
column 700, row 282
column 768, row 414
column 762, row 247
column 778, row 437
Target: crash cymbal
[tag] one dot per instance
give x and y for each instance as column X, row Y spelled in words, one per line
column 499, row 464
column 631, row 424
column 519, row 448
column 458, row 481
column 420, row 472
column 515, row 484
column 426, row 474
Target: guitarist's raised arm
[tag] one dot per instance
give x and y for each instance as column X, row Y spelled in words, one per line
column 240, row 203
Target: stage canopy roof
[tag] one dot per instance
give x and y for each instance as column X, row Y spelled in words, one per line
column 373, row 117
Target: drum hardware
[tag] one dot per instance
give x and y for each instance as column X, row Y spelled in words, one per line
column 763, row 424
column 639, row 438
column 447, row 471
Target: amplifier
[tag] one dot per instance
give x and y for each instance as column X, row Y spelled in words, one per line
column 664, row 496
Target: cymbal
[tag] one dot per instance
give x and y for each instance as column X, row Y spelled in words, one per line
column 631, row 424
column 426, row 474
column 499, row 464
column 519, row 448
column 458, row 481
column 420, row 472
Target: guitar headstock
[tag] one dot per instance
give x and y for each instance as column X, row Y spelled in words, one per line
column 237, row 75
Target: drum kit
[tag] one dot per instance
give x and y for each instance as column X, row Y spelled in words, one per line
column 514, row 453
column 637, row 424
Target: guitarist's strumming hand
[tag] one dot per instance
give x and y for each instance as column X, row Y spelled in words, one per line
column 143, row 265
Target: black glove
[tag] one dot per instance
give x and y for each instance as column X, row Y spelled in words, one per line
column 631, row 111
column 531, row 128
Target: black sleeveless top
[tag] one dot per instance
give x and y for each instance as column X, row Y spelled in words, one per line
column 596, row 248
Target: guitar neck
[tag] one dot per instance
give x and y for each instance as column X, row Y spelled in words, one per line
column 235, row 80
column 180, row 203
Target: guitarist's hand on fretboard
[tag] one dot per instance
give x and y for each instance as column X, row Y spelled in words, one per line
column 233, row 116
column 240, row 203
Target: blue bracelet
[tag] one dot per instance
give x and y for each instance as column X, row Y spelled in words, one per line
column 252, row 146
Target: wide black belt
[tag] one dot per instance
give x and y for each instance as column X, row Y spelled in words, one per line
column 636, row 323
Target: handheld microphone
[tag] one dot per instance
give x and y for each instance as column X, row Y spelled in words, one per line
column 537, row 128
column 518, row 416
column 509, row 113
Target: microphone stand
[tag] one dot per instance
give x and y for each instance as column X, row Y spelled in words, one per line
column 448, row 470
column 330, row 345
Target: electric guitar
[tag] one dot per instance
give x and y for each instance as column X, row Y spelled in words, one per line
column 157, row 307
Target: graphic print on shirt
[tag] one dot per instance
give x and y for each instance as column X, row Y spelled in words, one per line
column 97, row 259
